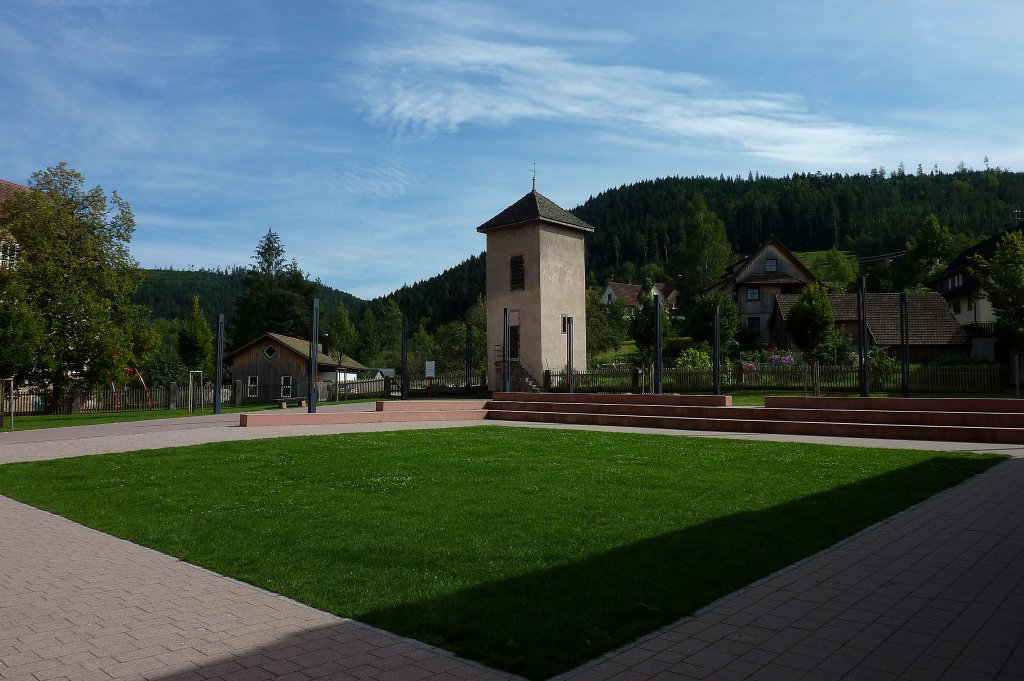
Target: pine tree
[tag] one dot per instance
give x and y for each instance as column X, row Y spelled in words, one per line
column 195, row 339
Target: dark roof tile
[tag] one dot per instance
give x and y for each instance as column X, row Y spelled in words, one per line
column 533, row 207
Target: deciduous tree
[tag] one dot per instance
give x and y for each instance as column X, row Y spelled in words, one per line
column 195, row 339
column 76, row 277
column 811, row 320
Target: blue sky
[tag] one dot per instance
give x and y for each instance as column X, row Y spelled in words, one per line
column 375, row 136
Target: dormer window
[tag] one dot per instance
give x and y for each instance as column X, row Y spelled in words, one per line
column 771, row 265
column 517, row 273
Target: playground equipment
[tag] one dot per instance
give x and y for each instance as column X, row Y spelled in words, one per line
column 130, row 371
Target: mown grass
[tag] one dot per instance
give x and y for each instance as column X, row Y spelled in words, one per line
column 531, row 550
column 37, row 421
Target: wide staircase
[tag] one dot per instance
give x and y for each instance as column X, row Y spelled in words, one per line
column 940, row 419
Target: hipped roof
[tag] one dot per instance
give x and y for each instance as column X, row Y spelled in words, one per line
column 534, row 207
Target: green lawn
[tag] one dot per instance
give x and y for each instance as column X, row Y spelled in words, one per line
column 35, row 422
column 531, row 550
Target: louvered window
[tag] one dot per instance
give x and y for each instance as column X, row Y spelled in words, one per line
column 517, row 273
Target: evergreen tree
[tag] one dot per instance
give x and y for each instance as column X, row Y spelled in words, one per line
column 343, row 337
column 700, row 318
column 1002, row 280
column 277, row 296
column 195, row 339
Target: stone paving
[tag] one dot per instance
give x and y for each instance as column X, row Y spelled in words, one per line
column 936, row 592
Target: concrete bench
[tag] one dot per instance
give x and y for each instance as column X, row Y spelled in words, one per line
column 297, row 401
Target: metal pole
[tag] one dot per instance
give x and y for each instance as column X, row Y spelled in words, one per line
column 657, row 345
column 405, row 358
column 862, row 332
column 469, row 355
column 568, row 364
column 716, row 351
column 506, row 374
column 218, row 370
column 314, row 356
column 905, row 342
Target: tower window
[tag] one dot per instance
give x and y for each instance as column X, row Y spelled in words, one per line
column 517, row 273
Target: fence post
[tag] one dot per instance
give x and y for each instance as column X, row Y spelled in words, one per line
column 236, row 393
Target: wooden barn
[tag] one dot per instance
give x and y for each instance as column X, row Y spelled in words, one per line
column 274, row 367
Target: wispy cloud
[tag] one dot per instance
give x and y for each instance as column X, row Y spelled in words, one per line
column 442, row 84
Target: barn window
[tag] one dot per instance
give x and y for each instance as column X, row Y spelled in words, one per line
column 517, row 273
column 753, row 293
column 270, row 351
column 771, row 265
column 286, row 387
column 252, row 386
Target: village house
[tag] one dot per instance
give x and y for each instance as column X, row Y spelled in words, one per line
column 8, row 246
column 962, row 293
column 274, row 366
column 934, row 332
column 630, row 293
column 756, row 280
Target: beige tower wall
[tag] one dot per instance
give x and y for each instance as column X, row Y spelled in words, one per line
column 555, row 285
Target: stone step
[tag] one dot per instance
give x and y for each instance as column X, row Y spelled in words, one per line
column 971, row 419
column 784, row 427
column 297, row 418
column 945, row 404
column 604, row 398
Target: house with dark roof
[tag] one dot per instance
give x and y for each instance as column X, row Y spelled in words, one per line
column 962, row 293
column 755, row 281
column 8, row 245
column 274, row 366
column 934, row 331
column 630, row 293
column 535, row 271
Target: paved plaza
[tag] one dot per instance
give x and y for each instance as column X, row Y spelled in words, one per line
column 936, row 592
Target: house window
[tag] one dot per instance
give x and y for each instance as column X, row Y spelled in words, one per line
column 956, row 280
column 270, row 351
column 754, row 324
column 517, row 273
column 252, row 386
column 609, row 298
column 286, row 387
column 565, row 323
column 754, row 293
column 956, row 307
column 8, row 255
column 513, row 341
column 771, row 265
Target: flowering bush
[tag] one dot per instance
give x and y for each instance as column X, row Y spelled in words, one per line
column 748, row 366
column 783, row 357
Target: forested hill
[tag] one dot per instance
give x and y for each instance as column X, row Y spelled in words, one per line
column 445, row 297
column 169, row 293
column 867, row 214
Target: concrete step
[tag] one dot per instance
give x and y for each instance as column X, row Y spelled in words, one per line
column 605, row 398
column 876, row 416
column 785, row 427
column 945, row 404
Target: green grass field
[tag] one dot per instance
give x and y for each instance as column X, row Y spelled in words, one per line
column 530, row 550
column 36, row 422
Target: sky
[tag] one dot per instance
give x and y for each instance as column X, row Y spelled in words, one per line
column 374, row 137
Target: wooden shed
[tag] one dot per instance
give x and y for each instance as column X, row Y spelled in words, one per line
column 274, row 366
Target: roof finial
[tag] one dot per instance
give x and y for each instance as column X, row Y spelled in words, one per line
column 534, row 176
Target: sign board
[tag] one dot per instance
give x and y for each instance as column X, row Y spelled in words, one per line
column 428, row 369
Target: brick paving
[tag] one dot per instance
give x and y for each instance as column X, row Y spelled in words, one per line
column 934, row 593
column 80, row 605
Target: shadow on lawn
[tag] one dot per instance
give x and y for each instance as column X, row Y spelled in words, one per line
column 547, row 622
column 544, row 623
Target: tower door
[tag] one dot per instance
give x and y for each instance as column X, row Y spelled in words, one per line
column 513, row 341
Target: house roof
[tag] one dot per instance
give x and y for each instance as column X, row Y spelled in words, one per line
column 964, row 261
column 296, row 345
column 930, row 321
column 8, row 190
column 630, row 293
column 532, row 208
column 734, row 271
column 347, row 362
